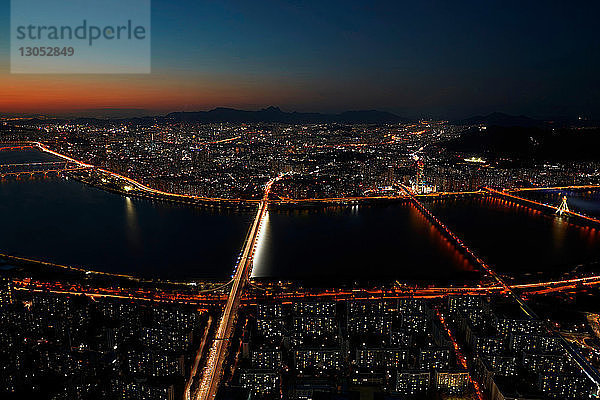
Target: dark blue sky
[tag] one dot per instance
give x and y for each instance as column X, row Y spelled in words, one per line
column 418, row 58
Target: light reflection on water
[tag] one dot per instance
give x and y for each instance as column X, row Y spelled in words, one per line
column 132, row 225
column 366, row 243
column 516, row 238
column 264, row 236
column 67, row 222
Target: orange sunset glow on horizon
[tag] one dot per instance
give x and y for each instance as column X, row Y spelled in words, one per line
column 60, row 94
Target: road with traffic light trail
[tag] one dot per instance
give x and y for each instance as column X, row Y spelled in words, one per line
column 213, row 369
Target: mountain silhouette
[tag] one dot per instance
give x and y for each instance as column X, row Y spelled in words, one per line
column 276, row 115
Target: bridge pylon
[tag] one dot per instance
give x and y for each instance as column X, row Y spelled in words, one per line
column 564, row 207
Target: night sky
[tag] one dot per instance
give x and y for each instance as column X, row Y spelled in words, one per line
column 418, row 59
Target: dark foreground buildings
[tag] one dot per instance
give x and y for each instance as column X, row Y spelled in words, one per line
column 56, row 346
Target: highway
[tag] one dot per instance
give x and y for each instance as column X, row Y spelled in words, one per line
column 199, row 353
column 133, row 184
column 265, row 294
column 213, row 370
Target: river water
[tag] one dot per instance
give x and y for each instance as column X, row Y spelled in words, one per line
column 67, row 222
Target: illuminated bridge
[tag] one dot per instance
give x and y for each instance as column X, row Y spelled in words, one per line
column 18, row 146
column 30, row 169
column 213, row 370
column 561, row 209
column 40, row 168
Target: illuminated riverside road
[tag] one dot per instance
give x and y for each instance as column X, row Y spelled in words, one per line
column 250, row 296
column 213, row 369
column 133, row 184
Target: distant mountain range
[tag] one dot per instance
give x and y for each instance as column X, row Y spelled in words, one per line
column 274, row 114
column 223, row 114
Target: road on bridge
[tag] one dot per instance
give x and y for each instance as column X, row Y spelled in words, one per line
column 213, row 370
